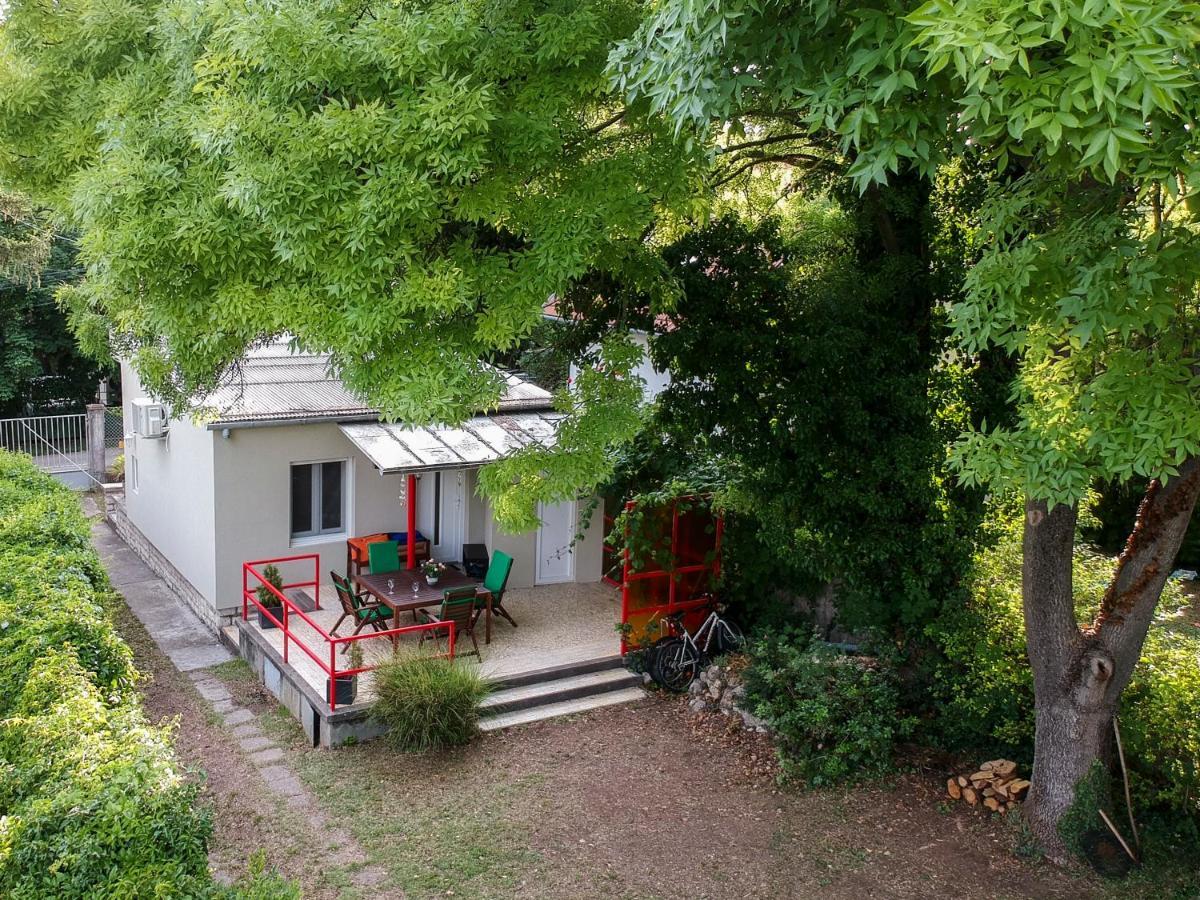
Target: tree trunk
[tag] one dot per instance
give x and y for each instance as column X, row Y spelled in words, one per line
column 1080, row 672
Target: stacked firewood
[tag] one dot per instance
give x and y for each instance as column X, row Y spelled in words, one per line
column 995, row 786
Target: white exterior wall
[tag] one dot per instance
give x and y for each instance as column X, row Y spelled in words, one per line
column 253, row 505
column 523, row 549
column 172, row 503
column 655, row 381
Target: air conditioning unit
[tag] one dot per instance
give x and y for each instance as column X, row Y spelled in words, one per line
column 149, row 419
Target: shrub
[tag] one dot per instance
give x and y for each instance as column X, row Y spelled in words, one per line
column 428, row 702
column 265, row 595
column 94, row 803
column 984, row 685
column 836, row 717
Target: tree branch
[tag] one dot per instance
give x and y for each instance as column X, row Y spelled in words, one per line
column 763, row 142
column 596, row 129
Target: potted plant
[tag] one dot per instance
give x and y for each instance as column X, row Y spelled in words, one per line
column 433, row 571
column 267, row 597
column 345, row 687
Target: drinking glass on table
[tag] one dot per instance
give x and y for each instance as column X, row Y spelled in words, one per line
column 391, row 586
column 416, row 587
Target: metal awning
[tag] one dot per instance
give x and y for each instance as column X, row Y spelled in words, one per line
column 402, row 448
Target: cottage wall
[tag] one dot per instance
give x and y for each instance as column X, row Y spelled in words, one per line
column 169, row 494
column 253, row 500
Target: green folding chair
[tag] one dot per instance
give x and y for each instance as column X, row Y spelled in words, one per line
column 383, row 556
column 357, row 608
column 458, row 606
column 494, row 582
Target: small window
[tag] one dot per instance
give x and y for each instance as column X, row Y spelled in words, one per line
column 318, row 498
column 133, row 472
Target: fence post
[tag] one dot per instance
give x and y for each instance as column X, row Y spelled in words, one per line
column 94, row 430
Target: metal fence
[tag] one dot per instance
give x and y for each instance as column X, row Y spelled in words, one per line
column 56, row 443
column 114, row 427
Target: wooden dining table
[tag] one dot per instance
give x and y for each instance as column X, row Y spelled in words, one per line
column 401, row 598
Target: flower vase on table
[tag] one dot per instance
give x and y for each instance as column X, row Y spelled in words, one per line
column 432, row 570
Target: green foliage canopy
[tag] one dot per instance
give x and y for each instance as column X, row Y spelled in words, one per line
column 1085, row 256
column 810, row 372
column 401, row 185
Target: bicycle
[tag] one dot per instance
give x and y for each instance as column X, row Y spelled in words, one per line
column 676, row 659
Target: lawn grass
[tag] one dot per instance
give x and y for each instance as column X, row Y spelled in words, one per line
column 234, row 671
column 430, row 843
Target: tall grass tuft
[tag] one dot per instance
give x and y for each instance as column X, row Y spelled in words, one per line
column 428, row 702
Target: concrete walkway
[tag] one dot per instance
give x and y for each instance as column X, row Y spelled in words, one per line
column 177, row 630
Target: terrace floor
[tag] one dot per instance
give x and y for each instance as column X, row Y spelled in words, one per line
column 556, row 625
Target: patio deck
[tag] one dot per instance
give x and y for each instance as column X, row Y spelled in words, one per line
column 557, row 625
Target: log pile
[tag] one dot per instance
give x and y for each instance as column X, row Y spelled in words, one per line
column 995, row 786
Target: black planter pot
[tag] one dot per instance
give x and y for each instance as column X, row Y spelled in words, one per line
column 345, row 688
column 264, row 622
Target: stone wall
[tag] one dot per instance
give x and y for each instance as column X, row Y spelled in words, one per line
column 720, row 689
column 114, row 512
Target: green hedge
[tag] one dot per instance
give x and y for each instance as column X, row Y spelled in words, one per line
column 94, row 802
column 984, row 686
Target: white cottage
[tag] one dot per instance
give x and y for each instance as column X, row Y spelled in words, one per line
column 293, row 463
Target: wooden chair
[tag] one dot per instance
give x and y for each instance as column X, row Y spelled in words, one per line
column 357, row 608
column 383, row 556
column 458, row 606
column 495, row 582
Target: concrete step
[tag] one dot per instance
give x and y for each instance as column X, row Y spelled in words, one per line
column 554, row 673
column 561, row 708
column 542, row 693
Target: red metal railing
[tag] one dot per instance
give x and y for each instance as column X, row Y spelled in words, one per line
column 289, row 608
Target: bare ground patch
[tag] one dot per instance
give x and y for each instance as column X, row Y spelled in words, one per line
column 644, row 801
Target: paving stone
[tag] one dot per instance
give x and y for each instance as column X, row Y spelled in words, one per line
column 238, row 716
column 300, row 801
column 212, row 690
column 254, row 743
column 247, row 730
column 283, row 780
column 175, row 628
column 268, row 755
column 224, row 706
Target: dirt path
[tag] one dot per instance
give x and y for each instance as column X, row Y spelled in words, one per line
column 253, row 809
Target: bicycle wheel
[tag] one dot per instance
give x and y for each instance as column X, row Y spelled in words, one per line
column 654, row 656
column 678, row 665
column 729, row 637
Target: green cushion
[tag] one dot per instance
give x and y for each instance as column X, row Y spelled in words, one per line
column 383, row 556
column 377, row 613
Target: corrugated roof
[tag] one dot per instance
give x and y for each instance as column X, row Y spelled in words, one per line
column 275, row 384
column 400, row 448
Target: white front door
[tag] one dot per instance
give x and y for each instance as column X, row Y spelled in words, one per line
column 443, row 502
column 555, row 537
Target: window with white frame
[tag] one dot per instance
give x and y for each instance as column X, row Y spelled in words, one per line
column 318, row 498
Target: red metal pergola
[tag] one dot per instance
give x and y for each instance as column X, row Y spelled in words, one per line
column 684, row 583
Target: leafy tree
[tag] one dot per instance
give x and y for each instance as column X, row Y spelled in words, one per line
column 1085, row 268
column 795, row 362
column 40, row 364
column 401, row 185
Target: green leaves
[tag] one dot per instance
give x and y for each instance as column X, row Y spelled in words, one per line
column 402, row 189
column 605, row 412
